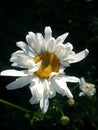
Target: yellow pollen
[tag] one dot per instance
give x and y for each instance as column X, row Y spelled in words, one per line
column 50, row 63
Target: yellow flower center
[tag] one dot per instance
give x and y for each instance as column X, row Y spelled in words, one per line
column 50, row 63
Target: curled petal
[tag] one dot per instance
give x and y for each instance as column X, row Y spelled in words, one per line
column 35, row 68
column 26, row 48
column 68, row 46
column 60, row 51
column 37, row 90
column 79, row 56
column 61, row 87
column 21, row 60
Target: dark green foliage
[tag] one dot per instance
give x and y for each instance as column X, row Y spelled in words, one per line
column 80, row 19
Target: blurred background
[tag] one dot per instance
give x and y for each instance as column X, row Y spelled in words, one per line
column 80, row 19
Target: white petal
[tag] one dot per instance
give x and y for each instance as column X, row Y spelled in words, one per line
column 22, row 45
column 19, row 83
column 21, row 60
column 61, row 71
column 65, row 63
column 79, row 56
column 33, row 42
column 26, row 48
column 46, row 86
column 50, row 45
column 52, row 90
column 81, row 94
column 52, row 75
column 82, row 83
column 68, row 46
column 61, row 87
column 72, row 79
column 35, row 68
column 37, row 90
column 44, row 104
column 63, row 51
column 40, row 40
column 61, row 38
column 48, row 33
column 35, row 97
column 13, row 72
column 82, row 80
column 34, row 100
column 60, row 51
column 33, row 87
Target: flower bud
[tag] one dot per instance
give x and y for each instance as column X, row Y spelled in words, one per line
column 65, row 120
column 71, row 102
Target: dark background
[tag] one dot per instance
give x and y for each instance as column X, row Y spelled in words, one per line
column 80, row 19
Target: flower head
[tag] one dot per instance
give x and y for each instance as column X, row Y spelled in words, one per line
column 43, row 60
column 86, row 88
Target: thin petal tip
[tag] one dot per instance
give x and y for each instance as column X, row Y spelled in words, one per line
column 48, row 28
column 8, row 88
column 2, row 73
column 67, row 33
column 86, row 51
column 70, row 96
column 19, row 44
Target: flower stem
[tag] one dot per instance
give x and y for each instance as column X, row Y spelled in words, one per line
column 62, row 113
column 13, row 105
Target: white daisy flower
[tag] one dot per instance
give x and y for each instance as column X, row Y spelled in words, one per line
column 86, row 88
column 44, row 60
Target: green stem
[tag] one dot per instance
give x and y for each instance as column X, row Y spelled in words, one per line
column 62, row 113
column 75, row 87
column 13, row 105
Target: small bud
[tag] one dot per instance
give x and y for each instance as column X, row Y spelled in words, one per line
column 71, row 102
column 65, row 120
